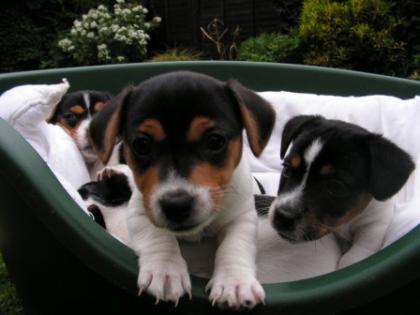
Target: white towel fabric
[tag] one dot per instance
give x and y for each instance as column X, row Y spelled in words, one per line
column 26, row 108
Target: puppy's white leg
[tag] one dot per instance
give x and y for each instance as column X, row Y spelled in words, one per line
column 163, row 271
column 234, row 282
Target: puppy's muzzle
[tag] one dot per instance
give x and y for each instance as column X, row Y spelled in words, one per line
column 286, row 218
column 177, row 207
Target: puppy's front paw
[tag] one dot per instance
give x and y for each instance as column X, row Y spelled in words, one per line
column 111, row 171
column 235, row 291
column 166, row 280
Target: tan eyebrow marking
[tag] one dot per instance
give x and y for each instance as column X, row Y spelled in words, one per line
column 154, row 128
column 198, row 126
column 77, row 109
column 98, row 106
column 296, row 161
column 327, row 170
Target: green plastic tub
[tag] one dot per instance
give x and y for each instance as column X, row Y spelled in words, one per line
column 63, row 263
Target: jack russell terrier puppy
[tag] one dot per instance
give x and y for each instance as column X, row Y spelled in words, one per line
column 74, row 113
column 337, row 177
column 182, row 139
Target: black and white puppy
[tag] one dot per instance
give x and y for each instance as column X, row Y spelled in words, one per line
column 182, row 139
column 74, row 113
column 337, row 177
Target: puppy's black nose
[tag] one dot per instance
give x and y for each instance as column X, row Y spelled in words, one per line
column 177, row 206
column 285, row 218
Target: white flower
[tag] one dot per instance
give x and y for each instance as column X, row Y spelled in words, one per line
column 93, row 25
column 90, row 35
column 77, row 23
column 147, row 25
column 115, row 27
column 102, row 8
column 119, row 1
column 120, row 58
column 157, row 19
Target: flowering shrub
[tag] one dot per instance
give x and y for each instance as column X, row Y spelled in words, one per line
column 102, row 36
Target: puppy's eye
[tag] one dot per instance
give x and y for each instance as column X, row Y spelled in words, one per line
column 142, row 145
column 337, row 188
column 71, row 119
column 215, row 142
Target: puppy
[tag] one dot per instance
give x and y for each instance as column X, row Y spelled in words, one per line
column 74, row 113
column 182, row 138
column 337, row 177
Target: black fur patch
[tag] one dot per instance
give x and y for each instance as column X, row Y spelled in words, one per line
column 113, row 191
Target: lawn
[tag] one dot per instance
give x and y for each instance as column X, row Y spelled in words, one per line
column 9, row 302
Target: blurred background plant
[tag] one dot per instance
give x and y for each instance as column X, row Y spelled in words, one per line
column 353, row 34
column 176, row 54
column 270, row 47
column 103, row 36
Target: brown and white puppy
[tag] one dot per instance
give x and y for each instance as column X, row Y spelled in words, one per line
column 182, row 137
column 337, row 177
column 74, row 113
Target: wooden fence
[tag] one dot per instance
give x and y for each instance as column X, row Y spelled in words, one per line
column 182, row 19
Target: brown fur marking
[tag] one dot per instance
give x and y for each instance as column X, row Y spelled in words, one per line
column 153, row 128
column 98, row 107
column 215, row 178
column 198, row 126
column 77, row 109
column 146, row 182
column 296, row 161
column 361, row 204
column 327, row 170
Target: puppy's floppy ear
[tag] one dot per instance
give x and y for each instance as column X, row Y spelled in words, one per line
column 390, row 167
column 106, row 125
column 293, row 128
column 257, row 115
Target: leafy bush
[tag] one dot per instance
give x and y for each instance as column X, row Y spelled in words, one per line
column 175, row 54
column 29, row 28
column 102, row 36
column 289, row 12
column 355, row 34
column 269, row 47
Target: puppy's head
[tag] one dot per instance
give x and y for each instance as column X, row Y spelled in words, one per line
column 182, row 136
column 74, row 112
column 332, row 170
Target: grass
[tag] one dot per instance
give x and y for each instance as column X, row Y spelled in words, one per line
column 9, row 302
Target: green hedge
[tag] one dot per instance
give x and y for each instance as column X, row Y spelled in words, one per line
column 353, row 34
column 269, row 48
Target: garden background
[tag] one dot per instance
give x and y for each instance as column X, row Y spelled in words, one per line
column 379, row 36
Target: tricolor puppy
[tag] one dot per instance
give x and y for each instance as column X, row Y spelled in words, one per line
column 182, row 136
column 74, row 113
column 337, row 177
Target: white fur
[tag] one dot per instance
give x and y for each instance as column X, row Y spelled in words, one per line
column 367, row 231
column 293, row 196
column 163, row 270
column 203, row 213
